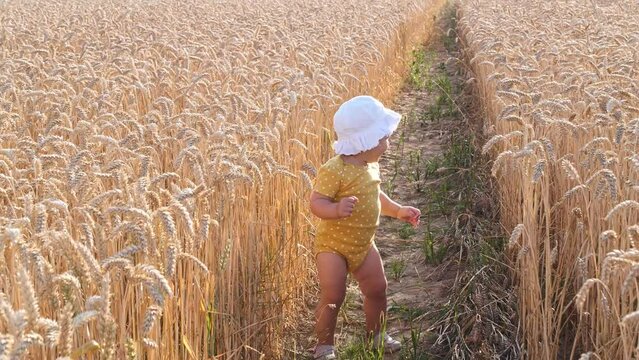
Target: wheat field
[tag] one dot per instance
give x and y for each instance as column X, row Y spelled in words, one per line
column 155, row 161
column 559, row 85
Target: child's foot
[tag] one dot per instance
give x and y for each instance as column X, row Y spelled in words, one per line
column 390, row 345
column 324, row 352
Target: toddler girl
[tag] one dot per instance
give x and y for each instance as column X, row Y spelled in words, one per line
column 348, row 200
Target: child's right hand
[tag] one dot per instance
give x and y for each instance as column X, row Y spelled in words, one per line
column 345, row 206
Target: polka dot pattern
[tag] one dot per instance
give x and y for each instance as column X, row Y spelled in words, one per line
column 353, row 236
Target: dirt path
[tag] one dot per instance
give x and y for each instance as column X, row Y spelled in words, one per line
column 421, row 169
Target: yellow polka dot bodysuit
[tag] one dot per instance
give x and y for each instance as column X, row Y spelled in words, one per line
column 351, row 237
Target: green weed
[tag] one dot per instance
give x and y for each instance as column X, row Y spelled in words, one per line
column 397, row 268
column 406, row 231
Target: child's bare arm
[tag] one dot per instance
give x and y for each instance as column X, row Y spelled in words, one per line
column 393, row 209
column 325, row 208
column 389, row 207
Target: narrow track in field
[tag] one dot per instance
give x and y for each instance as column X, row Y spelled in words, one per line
column 421, row 169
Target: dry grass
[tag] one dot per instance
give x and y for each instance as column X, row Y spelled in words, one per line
column 558, row 81
column 155, row 159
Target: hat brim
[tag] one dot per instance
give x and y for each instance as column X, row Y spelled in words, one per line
column 368, row 139
column 393, row 119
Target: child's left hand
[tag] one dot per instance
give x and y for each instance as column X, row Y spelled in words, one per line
column 409, row 214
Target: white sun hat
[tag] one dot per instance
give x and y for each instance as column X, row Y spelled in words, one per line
column 360, row 123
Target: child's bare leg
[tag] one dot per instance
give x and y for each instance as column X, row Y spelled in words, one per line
column 332, row 272
column 372, row 282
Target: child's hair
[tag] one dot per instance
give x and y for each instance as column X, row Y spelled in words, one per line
column 360, row 123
